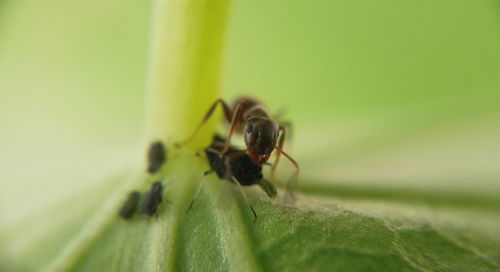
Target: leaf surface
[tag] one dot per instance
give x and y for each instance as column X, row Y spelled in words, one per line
column 321, row 231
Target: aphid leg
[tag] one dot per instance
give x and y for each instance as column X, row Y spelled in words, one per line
column 193, row 153
column 202, row 183
column 293, row 180
column 237, row 115
column 245, row 196
column 268, row 187
column 278, row 148
column 227, row 113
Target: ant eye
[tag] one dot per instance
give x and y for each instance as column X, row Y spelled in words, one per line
column 249, row 128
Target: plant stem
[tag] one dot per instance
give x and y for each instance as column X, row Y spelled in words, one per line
column 184, row 67
column 183, row 80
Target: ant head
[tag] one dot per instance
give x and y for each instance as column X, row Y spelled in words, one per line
column 260, row 137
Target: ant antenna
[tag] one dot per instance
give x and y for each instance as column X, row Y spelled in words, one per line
column 202, row 183
column 245, row 196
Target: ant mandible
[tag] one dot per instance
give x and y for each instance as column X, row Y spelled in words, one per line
column 261, row 133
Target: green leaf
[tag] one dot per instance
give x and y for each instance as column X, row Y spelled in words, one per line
column 321, row 231
column 334, row 224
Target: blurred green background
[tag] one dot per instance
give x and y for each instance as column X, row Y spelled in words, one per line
column 382, row 94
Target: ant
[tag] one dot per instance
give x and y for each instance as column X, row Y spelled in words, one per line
column 236, row 167
column 261, row 133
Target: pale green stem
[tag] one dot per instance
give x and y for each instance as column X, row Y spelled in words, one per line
column 183, row 81
column 184, row 67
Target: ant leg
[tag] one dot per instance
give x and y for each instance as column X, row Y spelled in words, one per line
column 228, row 158
column 289, row 129
column 245, row 196
column 199, row 189
column 293, row 180
column 237, row 116
column 282, row 111
column 286, row 123
column 279, row 148
column 232, row 156
column 227, row 112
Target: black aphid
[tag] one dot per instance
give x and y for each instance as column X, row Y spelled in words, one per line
column 241, row 166
column 130, row 206
column 242, row 171
column 152, row 199
column 156, row 156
